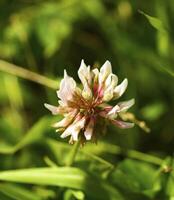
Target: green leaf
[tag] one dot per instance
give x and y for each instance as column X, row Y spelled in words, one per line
column 163, row 39
column 155, row 22
column 135, row 177
column 95, row 164
column 18, row 193
column 64, row 177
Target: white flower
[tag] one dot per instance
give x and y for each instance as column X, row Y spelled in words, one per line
column 83, row 109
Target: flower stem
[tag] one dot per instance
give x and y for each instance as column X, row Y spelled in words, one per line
column 73, row 153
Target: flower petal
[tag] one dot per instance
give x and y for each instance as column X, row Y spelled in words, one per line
column 95, row 73
column 66, row 120
column 110, row 84
column 77, row 127
column 105, row 70
column 84, row 73
column 53, row 109
column 66, row 133
column 67, row 88
column 113, row 113
column 125, row 105
column 89, row 129
column 122, row 124
column 120, row 89
column 85, row 76
column 74, row 129
column 112, row 80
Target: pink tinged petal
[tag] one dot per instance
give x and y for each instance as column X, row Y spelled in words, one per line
column 107, row 108
column 67, row 88
column 113, row 113
column 95, row 89
column 105, row 70
column 125, row 105
column 103, row 114
column 89, row 129
column 100, row 92
column 120, row 89
column 122, row 124
column 104, row 111
column 53, row 109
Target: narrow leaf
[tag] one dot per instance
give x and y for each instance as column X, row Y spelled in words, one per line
column 64, row 177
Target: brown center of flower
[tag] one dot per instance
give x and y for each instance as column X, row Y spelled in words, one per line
column 87, row 107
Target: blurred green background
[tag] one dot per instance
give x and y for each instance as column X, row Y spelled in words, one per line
column 47, row 37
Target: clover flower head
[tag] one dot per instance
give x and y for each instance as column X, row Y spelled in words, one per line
column 84, row 109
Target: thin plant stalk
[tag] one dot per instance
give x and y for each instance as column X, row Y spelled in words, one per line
column 27, row 74
column 73, row 153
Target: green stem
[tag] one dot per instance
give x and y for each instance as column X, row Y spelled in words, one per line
column 144, row 157
column 27, row 74
column 73, row 153
column 133, row 154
